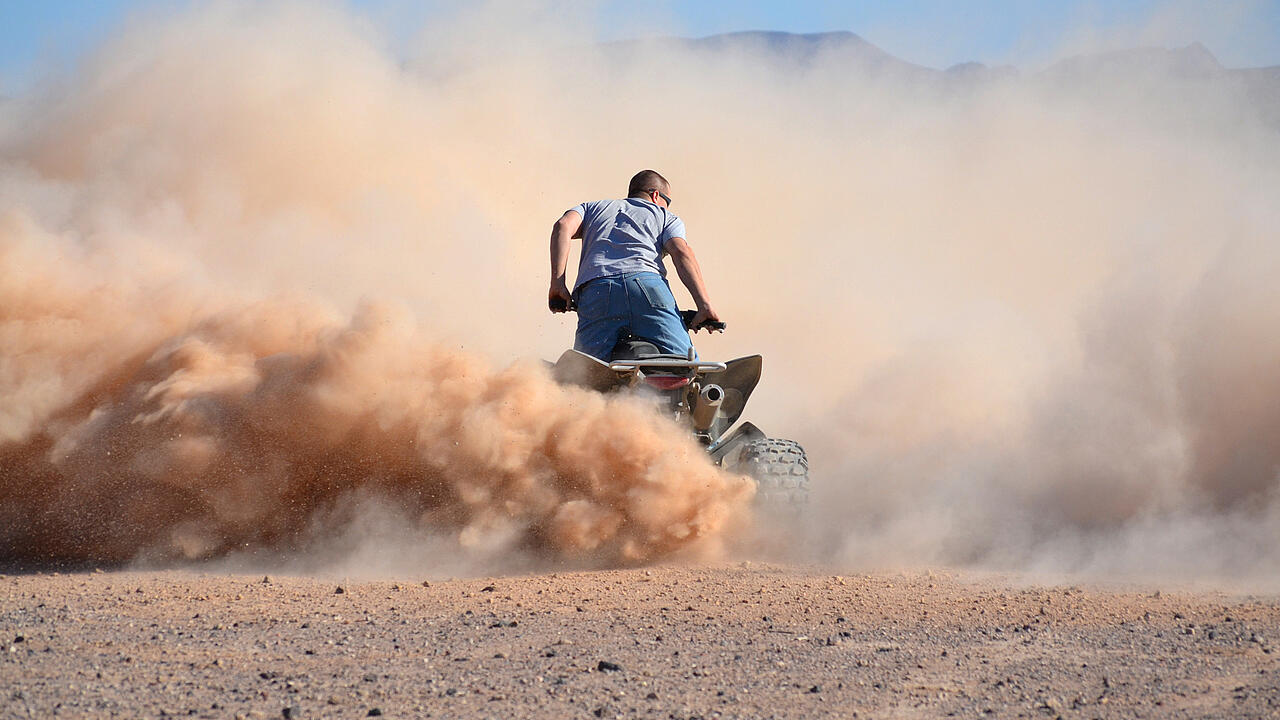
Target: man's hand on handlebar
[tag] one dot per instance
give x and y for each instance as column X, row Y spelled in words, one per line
column 704, row 319
column 559, row 299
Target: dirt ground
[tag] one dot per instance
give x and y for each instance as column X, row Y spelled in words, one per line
column 733, row 640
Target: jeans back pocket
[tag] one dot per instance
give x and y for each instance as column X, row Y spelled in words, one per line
column 657, row 293
column 593, row 299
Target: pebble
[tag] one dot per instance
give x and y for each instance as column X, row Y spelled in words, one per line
column 606, row 666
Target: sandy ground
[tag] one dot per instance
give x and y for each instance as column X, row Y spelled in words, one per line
column 734, row 640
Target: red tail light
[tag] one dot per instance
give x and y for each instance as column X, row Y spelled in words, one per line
column 666, row 382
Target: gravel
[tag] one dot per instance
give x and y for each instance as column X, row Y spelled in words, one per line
column 729, row 641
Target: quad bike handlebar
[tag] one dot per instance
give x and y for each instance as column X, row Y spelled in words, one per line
column 708, row 325
column 557, row 304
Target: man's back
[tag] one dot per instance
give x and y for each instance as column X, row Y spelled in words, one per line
column 624, row 236
column 621, row 286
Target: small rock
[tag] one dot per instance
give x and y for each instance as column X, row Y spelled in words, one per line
column 370, row 677
column 291, row 713
column 499, row 656
column 815, row 689
column 651, row 696
column 19, row 639
column 338, row 591
column 266, row 580
column 426, row 584
column 606, row 666
column 374, row 712
column 488, row 588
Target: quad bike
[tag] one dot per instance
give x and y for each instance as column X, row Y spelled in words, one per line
column 707, row 397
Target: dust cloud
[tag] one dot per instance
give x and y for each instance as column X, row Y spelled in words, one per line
column 264, row 280
column 173, row 387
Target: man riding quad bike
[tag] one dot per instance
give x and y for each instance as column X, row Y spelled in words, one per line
column 630, row 334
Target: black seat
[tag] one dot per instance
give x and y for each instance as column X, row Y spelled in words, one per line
column 634, row 348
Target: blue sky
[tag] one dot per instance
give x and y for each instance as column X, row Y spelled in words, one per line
column 938, row 33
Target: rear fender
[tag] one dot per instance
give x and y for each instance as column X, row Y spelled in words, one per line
column 738, row 380
column 578, row 368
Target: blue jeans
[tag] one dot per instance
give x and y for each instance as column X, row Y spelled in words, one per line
column 640, row 303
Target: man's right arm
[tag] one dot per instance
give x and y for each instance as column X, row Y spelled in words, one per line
column 691, row 275
column 569, row 226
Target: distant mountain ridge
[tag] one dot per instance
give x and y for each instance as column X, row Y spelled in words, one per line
column 804, row 47
column 1193, row 64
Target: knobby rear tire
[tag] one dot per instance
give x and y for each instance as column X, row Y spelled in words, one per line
column 781, row 472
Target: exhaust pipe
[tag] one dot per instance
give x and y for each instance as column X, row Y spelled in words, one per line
column 706, row 406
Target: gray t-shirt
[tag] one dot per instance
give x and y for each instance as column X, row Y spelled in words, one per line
column 624, row 236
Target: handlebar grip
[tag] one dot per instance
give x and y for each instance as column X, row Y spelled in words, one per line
column 708, row 325
column 557, row 304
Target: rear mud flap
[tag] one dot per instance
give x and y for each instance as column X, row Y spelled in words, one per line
column 725, row 452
